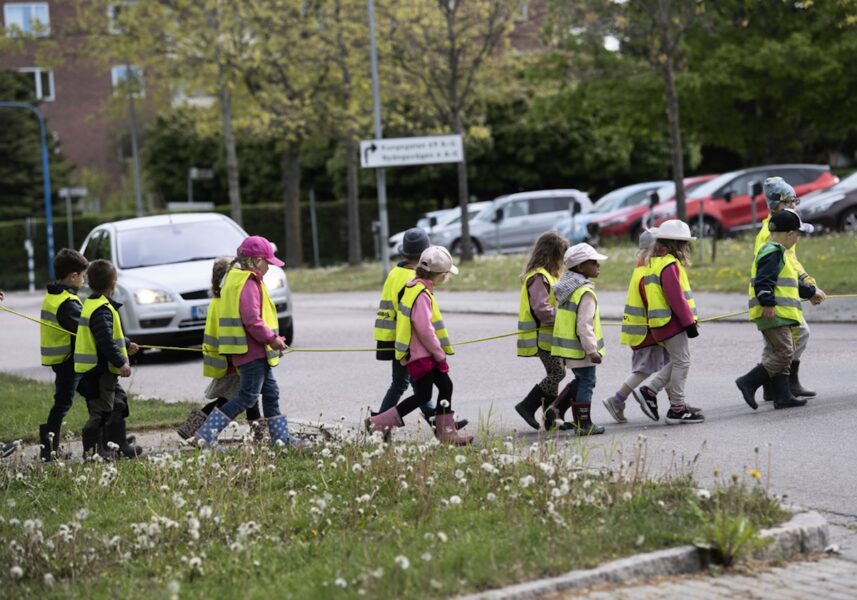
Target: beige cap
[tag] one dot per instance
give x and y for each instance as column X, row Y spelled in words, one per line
column 580, row 253
column 437, row 259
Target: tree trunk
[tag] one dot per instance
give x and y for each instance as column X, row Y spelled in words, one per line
column 675, row 139
column 463, row 194
column 232, row 176
column 292, row 196
column 355, row 254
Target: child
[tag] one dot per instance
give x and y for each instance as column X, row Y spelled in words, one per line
column 101, row 353
column 671, row 321
column 781, row 196
column 61, row 309
column 247, row 331
column 536, row 313
column 577, row 336
column 422, row 345
column 225, row 381
column 775, row 292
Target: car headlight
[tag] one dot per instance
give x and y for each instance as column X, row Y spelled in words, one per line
column 152, row 297
column 275, row 281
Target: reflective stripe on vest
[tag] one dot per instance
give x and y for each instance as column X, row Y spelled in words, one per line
column 231, row 336
column 531, row 335
column 566, row 343
column 786, row 291
column 635, row 323
column 56, row 344
column 214, row 364
column 85, row 349
column 659, row 311
column 403, row 326
column 385, row 319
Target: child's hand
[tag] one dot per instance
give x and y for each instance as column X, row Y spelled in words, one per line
column 279, row 344
column 819, row 297
column 133, row 348
column 769, row 313
column 125, row 370
column 595, row 358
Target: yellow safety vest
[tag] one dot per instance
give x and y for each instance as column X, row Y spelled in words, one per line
column 85, row 350
column 55, row 343
column 764, row 236
column 231, row 336
column 785, row 293
column 214, row 364
column 659, row 311
column 385, row 320
column 635, row 320
column 531, row 335
column 403, row 326
column 566, row 343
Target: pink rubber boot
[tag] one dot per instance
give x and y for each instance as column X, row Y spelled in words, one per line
column 446, row 432
column 384, row 422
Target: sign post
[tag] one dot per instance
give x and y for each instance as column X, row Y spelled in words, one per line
column 68, row 194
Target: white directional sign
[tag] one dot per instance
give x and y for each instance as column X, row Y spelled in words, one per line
column 400, row 152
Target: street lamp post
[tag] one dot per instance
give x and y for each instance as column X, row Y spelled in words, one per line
column 46, row 179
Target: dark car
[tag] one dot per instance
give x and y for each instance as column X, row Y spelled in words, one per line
column 834, row 207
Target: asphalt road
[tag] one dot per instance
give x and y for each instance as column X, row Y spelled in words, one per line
column 813, row 450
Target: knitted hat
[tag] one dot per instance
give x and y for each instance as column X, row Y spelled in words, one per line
column 414, row 242
column 777, row 191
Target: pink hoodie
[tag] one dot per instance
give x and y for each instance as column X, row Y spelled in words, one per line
column 258, row 334
column 424, row 341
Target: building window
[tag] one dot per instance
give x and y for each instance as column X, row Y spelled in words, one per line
column 43, row 83
column 32, row 18
column 127, row 79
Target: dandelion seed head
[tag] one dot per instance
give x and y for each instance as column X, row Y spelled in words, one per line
column 403, row 562
column 48, row 579
column 16, row 572
column 455, row 500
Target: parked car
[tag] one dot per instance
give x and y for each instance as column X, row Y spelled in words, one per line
column 628, row 220
column 576, row 229
column 164, row 273
column 435, row 220
column 834, row 207
column 725, row 200
column 512, row 223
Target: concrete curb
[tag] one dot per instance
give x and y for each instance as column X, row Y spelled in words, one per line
column 805, row 533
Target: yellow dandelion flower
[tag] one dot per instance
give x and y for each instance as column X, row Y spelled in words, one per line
column 754, row 473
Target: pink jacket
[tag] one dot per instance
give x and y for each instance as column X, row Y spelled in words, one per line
column 258, row 334
column 424, row 342
column 682, row 316
column 539, row 295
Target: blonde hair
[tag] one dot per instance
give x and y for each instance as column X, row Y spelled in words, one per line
column 218, row 274
column 678, row 248
column 423, row 273
column 547, row 253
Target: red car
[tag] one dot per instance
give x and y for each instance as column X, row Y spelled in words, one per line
column 725, row 200
column 629, row 220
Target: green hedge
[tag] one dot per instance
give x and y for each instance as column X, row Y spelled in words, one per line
column 259, row 219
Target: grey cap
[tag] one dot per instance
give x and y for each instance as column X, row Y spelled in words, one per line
column 414, row 242
column 776, row 191
column 647, row 238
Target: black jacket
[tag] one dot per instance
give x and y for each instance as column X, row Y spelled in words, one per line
column 101, row 325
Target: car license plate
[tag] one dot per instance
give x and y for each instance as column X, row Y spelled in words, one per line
column 199, row 312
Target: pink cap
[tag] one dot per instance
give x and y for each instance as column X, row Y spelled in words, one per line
column 256, row 246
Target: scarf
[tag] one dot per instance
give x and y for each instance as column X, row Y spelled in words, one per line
column 567, row 285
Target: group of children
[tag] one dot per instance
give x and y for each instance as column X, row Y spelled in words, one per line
column 558, row 322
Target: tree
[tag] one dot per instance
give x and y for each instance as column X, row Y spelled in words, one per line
column 442, row 47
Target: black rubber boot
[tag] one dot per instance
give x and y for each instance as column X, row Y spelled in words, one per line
column 583, row 424
column 528, row 406
column 46, row 445
column 794, row 382
column 559, row 406
column 768, row 391
column 117, row 434
column 783, row 395
column 92, row 444
column 752, row 381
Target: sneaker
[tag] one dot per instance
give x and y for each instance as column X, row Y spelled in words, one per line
column 617, row 412
column 685, row 417
column 647, row 398
column 693, row 409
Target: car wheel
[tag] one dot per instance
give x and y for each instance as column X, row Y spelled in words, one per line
column 287, row 330
column 456, row 247
column 710, row 228
column 848, row 220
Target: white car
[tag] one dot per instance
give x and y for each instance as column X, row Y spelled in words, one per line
column 435, row 221
column 164, row 274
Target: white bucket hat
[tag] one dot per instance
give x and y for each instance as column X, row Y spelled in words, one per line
column 674, row 230
column 580, row 253
column 437, row 259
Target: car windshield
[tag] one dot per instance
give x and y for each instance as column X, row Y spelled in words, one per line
column 176, row 243
column 607, row 202
column 667, row 192
column 709, row 187
column 849, row 183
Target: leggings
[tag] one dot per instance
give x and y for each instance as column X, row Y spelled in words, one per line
column 555, row 372
column 422, row 393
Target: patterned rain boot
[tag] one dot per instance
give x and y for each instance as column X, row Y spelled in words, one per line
column 214, row 424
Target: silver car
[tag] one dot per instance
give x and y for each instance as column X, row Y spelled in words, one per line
column 164, row 274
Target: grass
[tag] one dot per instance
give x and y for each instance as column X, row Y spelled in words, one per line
column 341, row 520
column 828, row 258
column 25, row 403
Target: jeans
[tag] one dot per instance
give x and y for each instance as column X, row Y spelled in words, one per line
column 398, row 386
column 256, row 378
column 66, row 383
column 585, row 377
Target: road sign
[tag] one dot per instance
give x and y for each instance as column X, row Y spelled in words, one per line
column 197, row 173
column 400, row 152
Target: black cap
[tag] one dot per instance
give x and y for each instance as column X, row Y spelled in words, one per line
column 414, row 242
column 787, row 220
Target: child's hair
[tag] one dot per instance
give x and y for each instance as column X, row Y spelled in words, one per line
column 547, row 253
column 678, row 248
column 243, row 262
column 218, row 272
column 426, row 274
column 68, row 261
column 644, row 254
column 101, row 275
